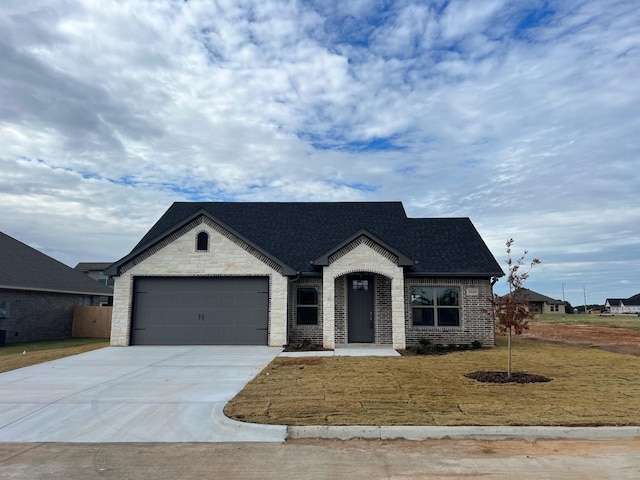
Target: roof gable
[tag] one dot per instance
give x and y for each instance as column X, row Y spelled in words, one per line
column 25, row 268
column 299, row 233
column 400, row 258
column 141, row 248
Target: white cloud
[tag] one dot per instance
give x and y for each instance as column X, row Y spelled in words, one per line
column 521, row 116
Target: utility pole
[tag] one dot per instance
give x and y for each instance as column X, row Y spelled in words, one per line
column 584, row 292
column 564, row 305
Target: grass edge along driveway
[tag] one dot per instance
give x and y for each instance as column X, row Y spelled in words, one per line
column 589, row 388
column 18, row 355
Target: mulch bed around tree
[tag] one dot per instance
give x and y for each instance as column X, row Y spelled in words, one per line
column 503, row 377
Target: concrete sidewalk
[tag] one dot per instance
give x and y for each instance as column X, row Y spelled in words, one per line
column 134, row 394
column 462, row 432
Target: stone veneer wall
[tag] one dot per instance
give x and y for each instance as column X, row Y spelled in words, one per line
column 226, row 256
column 361, row 257
column 298, row 333
column 476, row 322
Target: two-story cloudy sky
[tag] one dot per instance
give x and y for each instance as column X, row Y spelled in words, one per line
column 522, row 115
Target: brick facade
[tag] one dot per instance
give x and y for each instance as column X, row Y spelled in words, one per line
column 33, row 316
column 298, row 333
column 476, row 322
column 177, row 255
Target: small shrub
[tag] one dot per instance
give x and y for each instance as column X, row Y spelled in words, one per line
column 419, row 350
column 476, row 344
column 424, row 342
column 452, row 347
column 438, row 347
column 464, row 346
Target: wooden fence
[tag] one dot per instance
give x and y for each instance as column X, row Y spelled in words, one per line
column 91, row 322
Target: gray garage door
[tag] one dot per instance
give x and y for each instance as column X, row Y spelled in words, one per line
column 200, row 311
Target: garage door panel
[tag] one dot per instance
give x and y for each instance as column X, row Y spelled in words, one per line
column 200, row 311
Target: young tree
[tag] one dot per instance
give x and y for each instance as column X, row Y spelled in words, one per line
column 512, row 310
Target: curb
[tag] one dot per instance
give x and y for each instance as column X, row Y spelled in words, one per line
column 462, row 432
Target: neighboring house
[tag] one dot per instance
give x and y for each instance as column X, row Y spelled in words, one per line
column 275, row 273
column 539, row 303
column 38, row 293
column 623, row 305
column 96, row 270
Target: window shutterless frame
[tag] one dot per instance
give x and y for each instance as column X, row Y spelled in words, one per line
column 435, row 306
column 307, row 306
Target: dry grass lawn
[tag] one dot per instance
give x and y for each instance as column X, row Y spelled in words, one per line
column 589, row 387
column 18, row 355
column 617, row 321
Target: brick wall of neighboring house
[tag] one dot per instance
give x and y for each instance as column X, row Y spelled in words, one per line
column 298, row 333
column 33, row 316
column 476, row 322
column 177, row 256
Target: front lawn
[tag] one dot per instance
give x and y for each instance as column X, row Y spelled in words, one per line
column 18, row 355
column 588, row 387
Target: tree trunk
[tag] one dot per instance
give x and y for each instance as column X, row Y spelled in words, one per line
column 509, row 347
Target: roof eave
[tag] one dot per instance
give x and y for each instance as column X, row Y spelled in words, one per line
column 56, row 290
column 115, row 269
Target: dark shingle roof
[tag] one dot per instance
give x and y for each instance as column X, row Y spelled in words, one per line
column 532, row 296
column 614, row 302
column 91, row 266
column 24, row 268
column 297, row 233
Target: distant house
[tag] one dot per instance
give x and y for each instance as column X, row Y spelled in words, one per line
column 96, row 270
column 539, row 303
column 38, row 293
column 623, row 305
column 331, row 273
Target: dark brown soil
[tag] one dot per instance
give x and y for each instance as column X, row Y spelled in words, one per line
column 503, row 377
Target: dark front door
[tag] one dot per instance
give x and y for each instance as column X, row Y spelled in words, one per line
column 360, row 314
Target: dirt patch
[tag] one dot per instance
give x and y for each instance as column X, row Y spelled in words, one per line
column 617, row 340
column 503, row 377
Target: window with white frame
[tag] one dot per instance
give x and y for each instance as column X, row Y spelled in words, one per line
column 435, row 306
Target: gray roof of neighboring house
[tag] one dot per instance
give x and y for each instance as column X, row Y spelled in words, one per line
column 25, row 268
column 294, row 234
column 92, row 266
column 635, row 300
column 615, row 302
column 536, row 297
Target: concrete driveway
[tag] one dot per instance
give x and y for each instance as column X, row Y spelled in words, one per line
column 134, row 394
